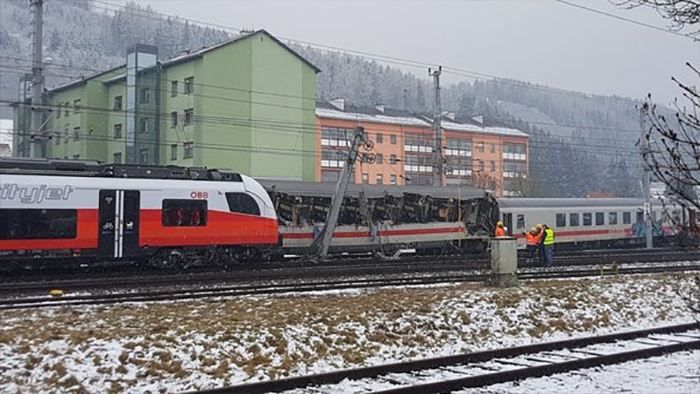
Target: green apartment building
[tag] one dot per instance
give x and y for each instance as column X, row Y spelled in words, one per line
column 247, row 104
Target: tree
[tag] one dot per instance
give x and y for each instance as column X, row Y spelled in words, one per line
column 485, row 180
column 682, row 13
column 672, row 142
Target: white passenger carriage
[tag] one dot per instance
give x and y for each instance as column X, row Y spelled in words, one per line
column 587, row 220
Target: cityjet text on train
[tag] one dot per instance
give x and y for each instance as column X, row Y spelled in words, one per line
column 34, row 194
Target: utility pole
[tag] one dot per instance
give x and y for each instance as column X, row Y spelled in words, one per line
column 36, row 136
column 437, row 150
column 646, row 179
column 323, row 242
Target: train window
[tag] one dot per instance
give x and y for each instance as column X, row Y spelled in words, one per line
column 561, row 220
column 612, row 217
column 640, row 217
column 520, row 221
column 573, row 219
column 242, row 203
column 587, row 218
column 626, row 217
column 184, row 213
column 599, row 218
column 38, row 223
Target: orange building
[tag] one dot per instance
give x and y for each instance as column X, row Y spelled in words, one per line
column 489, row 157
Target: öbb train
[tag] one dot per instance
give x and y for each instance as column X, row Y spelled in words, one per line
column 78, row 211
column 82, row 211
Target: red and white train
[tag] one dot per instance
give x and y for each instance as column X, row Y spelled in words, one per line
column 86, row 211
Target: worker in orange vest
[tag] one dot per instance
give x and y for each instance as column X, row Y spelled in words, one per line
column 532, row 238
column 500, row 231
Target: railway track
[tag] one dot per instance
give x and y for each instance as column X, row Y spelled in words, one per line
column 335, row 268
column 300, row 286
column 485, row 368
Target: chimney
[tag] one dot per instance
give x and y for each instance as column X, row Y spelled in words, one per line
column 338, row 103
column 479, row 119
column 380, row 107
column 450, row 116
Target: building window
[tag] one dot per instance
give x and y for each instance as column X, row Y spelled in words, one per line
column 38, row 223
column 380, row 179
column 173, row 119
column 189, row 117
column 329, row 176
column 76, row 106
column 573, row 219
column 561, row 220
column 380, row 138
column 143, row 156
column 333, row 136
column 242, row 203
column 66, row 109
column 145, row 125
column 481, row 165
column 76, row 157
column 392, row 139
column 189, row 150
column 392, row 159
column 184, row 213
column 493, row 148
column 480, row 147
column 599, row 218
column 65, row 129
column 173, row 88
column 118, row 103
column 379, row 158
column 493, row 166
column 57, row 138
column 392, row 179
column 59, row 108
column 145, row 95
column 76, row 133
column 365, row 178
column 117, row 158
column 173, row 152
column 189, row 85
column 626, row 217
column 117, row 131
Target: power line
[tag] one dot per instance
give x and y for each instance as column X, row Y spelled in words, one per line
column 628, row 20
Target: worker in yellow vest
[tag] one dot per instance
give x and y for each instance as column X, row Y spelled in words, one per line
column 548, row 243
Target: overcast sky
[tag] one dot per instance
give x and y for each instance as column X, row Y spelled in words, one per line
column 541, row 41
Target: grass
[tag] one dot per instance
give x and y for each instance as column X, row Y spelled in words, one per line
column 282, row 335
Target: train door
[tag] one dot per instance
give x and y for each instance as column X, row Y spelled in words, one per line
column 119, row 223
column 508, row 222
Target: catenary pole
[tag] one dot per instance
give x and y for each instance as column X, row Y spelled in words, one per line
column 437, row 149
column 646, row 179
column 323, row 242
column 37, row 138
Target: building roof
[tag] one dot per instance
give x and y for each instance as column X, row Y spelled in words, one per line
column 183, row 58
column 202, row 51
column 382, row 114
column 376, row 114
column 473, row 128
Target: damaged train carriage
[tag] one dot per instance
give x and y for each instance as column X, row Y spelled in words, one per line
column 384, row 218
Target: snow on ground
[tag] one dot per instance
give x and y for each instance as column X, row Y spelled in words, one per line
column 186, row 345
column 672, row 373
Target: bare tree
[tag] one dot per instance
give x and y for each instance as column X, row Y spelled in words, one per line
column 485, row 180
column 673, row 143
column 682, row 13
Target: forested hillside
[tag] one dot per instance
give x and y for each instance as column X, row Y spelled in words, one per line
column 580, row 143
